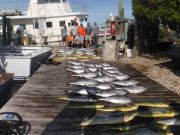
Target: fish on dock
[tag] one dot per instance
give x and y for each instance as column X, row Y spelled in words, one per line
column 123, row 100
column 169, row 121
column 141, row 131
column 134, row 89
column 86, row 75
column 106, row 119
column 75, row 63
column 126, row 82
column 81, row 92
column 110, row 68
column 159, row 104
column 75, row 67
column 110, row 93
column 78, row 99
column 127, row 108
column 84, row 82
column 92, row 69
column 103, row 86
column 95, row 106
column 77, row 71
column 106, row 64
column 158, row 113
column 104, row 79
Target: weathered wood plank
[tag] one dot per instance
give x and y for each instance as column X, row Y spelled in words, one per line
column 37, row 101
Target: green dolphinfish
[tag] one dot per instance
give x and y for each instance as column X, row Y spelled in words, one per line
column 106, row 119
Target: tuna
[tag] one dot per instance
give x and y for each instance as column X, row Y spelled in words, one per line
column 114, row 71
column 86, row 75
column 109, row 68
column 106, row 65
column 81, row 92
column 117, row 100
column 92, row 69
column 78, row 99
column 104, row 79
column 75, row 63
column 98, row 65
column 126, row 82
column 103, row 86
column 134, row 89
column 88, row 83
column 75, row 67
column 77, row 71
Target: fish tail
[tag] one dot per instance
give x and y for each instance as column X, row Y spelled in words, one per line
column 75, row 75
column 68, row 69
column 63, row 98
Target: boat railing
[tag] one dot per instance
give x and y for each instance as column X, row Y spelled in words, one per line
column 14, row 9
column 42, row 9
column 55, row 9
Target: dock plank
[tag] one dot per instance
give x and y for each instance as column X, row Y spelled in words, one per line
column 37, row 101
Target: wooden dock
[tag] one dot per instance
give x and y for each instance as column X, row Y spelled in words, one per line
column 37, row 101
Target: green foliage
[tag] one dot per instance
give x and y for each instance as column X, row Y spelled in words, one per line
column 166, row 11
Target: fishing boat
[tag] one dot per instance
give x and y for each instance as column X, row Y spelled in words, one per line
column 23, row 61
column 5, row 87
column 43, row 18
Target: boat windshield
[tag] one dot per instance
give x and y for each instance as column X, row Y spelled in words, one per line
column 64, row 1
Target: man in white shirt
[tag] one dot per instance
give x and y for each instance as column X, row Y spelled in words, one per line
column 85, row 22
column 79, row 40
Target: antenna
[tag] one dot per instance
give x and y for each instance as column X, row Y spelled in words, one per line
column 121, row 9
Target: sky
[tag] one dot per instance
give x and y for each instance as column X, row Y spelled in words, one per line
column 99, row 10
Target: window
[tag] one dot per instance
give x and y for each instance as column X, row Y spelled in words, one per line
column 22, row 26
column 36, row 25
column 48, row 1
column 62, row 23
column 64, row 1
column 48, row 24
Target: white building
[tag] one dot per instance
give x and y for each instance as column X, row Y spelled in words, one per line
column 45, row 17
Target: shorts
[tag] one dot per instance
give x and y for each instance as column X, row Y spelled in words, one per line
column 88, row 37
column 64, row 38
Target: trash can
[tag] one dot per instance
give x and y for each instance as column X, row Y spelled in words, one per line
column 109, row 50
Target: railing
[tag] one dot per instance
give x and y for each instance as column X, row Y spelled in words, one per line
column 13, row 8
column 44, row 9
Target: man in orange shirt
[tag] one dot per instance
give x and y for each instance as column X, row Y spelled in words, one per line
column 69, row 40
column 82, row 32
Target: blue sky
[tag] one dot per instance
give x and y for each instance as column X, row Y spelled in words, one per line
column 99, row 10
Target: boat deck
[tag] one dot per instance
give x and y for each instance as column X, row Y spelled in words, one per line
column 37, row 101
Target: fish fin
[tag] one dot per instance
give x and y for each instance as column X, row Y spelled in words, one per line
column 63, row 98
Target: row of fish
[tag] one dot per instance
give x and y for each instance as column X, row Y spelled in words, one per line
column 108, row 88
column 83, row 54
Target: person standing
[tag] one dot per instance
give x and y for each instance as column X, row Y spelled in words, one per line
column 74, row 28
column 82, row 32
column 69, row 28
column 95, row 31
column 64, row 35
column 85, row 22
column 88, row 37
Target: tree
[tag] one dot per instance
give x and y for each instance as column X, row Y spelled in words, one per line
column 149, row 14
